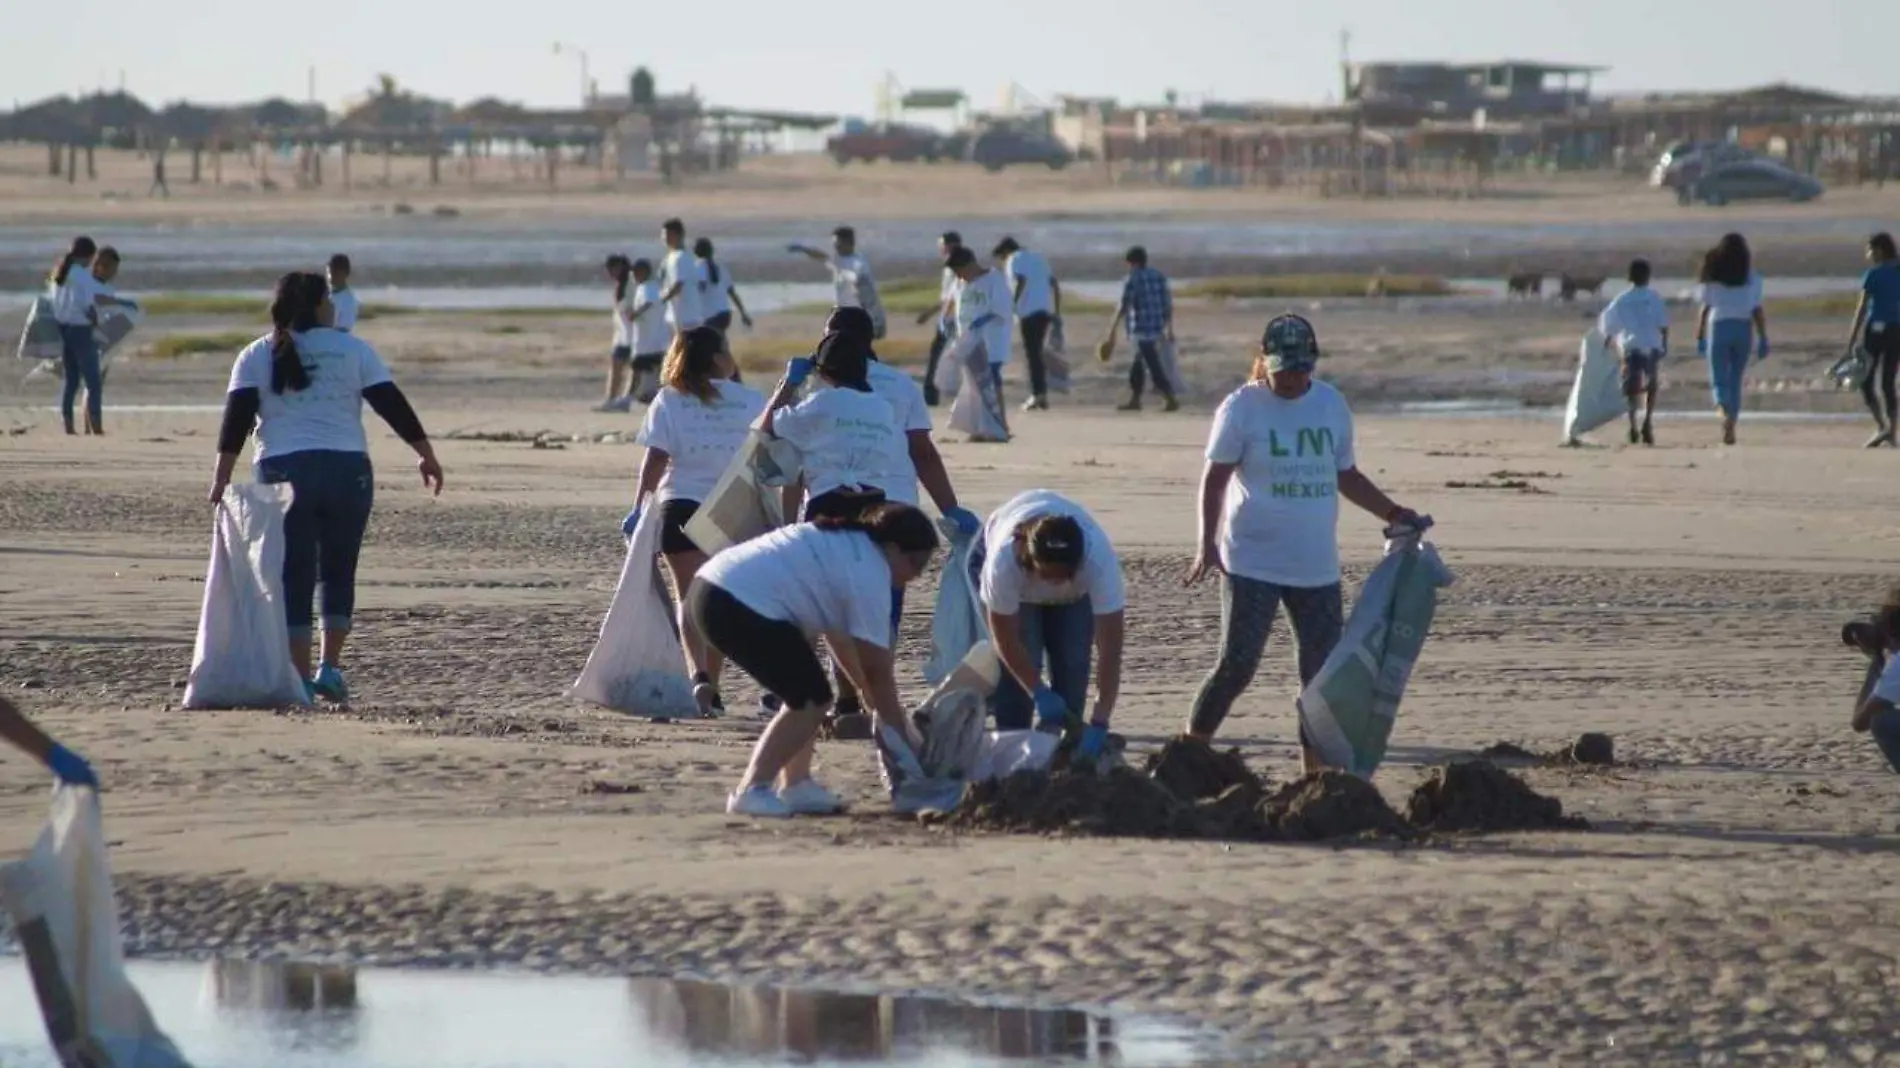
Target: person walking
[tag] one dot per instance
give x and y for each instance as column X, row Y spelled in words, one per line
column 626, row 306
column 679, row 281
column 1279, row 458
column 1636, row 325
column 342, row 297
column 851, row 281
column 77, row 295
column 1147, row 309
column 944, row 311
column 647, row 337
column 1036, row 297
column 983, row 304
column 718, row 297
column 300, row 390
column 756, row 602
column 694, row 427
column 1730, row 323
column 1877, row 328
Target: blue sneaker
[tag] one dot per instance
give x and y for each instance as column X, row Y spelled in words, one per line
column 329, row 684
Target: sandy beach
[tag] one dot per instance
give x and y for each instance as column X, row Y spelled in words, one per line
column 1731, row 904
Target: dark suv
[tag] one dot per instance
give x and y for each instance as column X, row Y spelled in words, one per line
column 1001, row 146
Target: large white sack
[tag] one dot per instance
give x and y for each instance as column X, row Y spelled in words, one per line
column 746, row 501
column 40, row 338
column 1348, row 710
column 957, row 624
column 67, row 926
column 978, row 408
column 242, row 655
column 957, row 750
column 637, row 665
column 1596, row 397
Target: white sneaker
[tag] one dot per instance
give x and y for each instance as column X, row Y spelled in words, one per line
column 622, row 404
column 808, row 797
column 759, row 801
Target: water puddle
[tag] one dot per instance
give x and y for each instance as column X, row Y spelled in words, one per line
column 246, row 1014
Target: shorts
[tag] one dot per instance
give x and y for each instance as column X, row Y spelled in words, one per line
column 845, row 502
column 721, row 322
column 777, row 654
column 621, row 354
column 1639, row 371
column 649, row 361
column 675, row 513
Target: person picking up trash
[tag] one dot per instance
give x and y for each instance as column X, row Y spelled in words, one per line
column 67, row 766
column 1636, row 323
column 1877, row 708
column 1279, row 457
column 1052, row 592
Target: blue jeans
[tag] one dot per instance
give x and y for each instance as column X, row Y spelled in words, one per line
column 1060, row 640
column 1731, row 341
column 1886, row 731
column 79, row 356
column 323, row 534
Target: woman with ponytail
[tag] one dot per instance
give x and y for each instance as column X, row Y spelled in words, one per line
column 693, row 428
column 77, row 294
column 757, row 601
column 301, row 390
column 717, row 295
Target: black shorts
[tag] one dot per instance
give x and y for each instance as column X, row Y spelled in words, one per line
column 775, row 653
column 721, row 322
column 621, row 354
column 649, row 361
column 846, row 502
column 674, row 515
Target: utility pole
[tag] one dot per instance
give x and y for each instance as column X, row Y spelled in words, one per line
column 1345, row 64
column 586, row 82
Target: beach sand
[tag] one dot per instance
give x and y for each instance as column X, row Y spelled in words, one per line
column 1732, row 904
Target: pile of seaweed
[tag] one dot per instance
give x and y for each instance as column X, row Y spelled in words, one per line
column 1189, row 790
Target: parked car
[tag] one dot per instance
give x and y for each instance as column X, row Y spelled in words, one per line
column 1686, row 161
column 1001, row 146
column 1753, row 179
column 891, row 141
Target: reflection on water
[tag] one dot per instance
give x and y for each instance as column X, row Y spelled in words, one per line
column 246, row 1014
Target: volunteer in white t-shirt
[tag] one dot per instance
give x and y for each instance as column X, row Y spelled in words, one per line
column 760, row 602
column 1636, row 325
column 679, row 279
column 1052, row 589
column 77, row 294
column 983, row 315
column 944, row 312
column 301, row 389
column 1877, row 709
column 851, row 281
column 1279, row 458
column 1731, row 318
column 342, row 297
column 853, row 452
column 1036, row 297
column 647, row 335
column 620, row 358
column 717, row 295
column 692, row 431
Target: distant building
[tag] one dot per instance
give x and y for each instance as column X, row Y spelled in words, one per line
column 1506, row 89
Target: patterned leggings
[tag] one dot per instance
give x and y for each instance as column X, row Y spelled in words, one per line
column 1247, row 608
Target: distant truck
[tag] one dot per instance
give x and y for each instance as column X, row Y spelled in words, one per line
column 889, row 141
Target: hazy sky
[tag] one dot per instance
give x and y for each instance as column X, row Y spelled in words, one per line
column 827, row 55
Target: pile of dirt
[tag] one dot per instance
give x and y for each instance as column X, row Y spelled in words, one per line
column 1331, row 804
column 1594, row 749
column 1591, row 749
column 1477, row 795
column 1192, row 770
column 1123, row 803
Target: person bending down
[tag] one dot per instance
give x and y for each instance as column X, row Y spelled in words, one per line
column 1877, row 709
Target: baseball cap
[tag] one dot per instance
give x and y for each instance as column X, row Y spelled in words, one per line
column 1289, row 344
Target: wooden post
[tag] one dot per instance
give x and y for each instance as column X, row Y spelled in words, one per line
column 217, row 160
column 197, row 161
column 435, row 160
column 316, row 163
column 92, row 167
column 554, row 166
column 389, row 159
column 52, row 158
column 346, row 164
column 72, row 162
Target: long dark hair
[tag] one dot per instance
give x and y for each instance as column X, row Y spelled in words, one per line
column 704, row 250
column 1727, row 263
column 82, row 251
column 691, row 364
column 620, row 270
column 898, row 525
column 293, row 310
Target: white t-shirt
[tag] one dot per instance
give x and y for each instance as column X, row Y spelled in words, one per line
column 347, row 308
column 947, row 297
column 987, row 295
column 715, row 298
column 1731, row 302
column 682, row 311
column 700, row 437
column 1635, row 320
column 1887, row 687
column 1281, row 522
column 623, row 314
column 906, row 399
column 817, row 580
column 845, row 437
column 1007, row 585
column 328, row 415
column 1037, row 279
column 73, row 301
column 646, row 334
column 850, row 276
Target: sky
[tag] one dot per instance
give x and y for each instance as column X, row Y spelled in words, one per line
column 830, row 55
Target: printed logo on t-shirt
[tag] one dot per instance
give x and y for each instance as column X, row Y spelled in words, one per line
column 1304, row 465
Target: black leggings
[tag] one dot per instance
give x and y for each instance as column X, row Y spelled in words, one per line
column 775, row 653
column 1884, row 347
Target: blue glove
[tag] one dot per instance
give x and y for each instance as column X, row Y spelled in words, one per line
column 1761, row 348
column 1052, row 712
column 966, row 521
column 1094, row 740
column 70, row 768
column 799, row 369
column 632, row 520
column 1702, row 346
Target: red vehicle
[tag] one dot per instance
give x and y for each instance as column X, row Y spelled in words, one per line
column 899, row 144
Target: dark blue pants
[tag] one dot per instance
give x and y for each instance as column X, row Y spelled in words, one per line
column 323, row 534
column 1060, row 640
column 79, row 356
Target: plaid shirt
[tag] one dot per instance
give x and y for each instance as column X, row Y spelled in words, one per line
column 1147, row 302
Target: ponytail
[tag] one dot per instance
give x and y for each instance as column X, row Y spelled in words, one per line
column 692, row 363
column 901, row 526
column 703, row 248
column 292, row 311
column 712, row 271
column 82, row 251
column 621, row 270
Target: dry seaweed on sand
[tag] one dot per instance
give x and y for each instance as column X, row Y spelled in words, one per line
column 1193, row 770
column 1477, row 795
column 1121, row 803
column 1330, row 804
column 1591, row 749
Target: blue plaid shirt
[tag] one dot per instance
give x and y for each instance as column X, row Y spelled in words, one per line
column 1148, row 303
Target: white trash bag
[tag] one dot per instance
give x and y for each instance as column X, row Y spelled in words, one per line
column 637, row 666
column 957, row 750
column 242, row 655
column 1596, row 397
column 978, row 408
column 746, row 502
column 40, row 338
column 67, row 926
column 957, row 623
